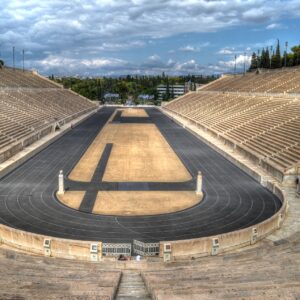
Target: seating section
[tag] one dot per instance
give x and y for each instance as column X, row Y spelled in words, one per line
column 286, row 80
column 29, row 103
column 34, row 278
column 17, row 78
column 266, row 272
column 267, row 127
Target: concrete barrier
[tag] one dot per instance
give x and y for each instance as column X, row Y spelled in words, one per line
column 35, row 243
column 228, row 241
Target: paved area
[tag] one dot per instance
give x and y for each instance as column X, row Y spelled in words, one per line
column 233, row 200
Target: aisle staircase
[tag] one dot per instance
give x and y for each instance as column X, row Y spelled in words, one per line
column 132, row 287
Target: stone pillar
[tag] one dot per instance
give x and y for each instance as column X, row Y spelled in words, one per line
column 199, row 183
column 61, row 185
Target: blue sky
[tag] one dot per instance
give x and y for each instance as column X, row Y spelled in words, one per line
column 118, row 37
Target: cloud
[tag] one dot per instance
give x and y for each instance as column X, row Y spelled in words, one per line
column 275, row 26
column 226, row 51
column 189, row 48
column 67, row 66
column 240, row 60
column 88, row 30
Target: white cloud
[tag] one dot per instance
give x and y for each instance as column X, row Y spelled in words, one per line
column 240, row 60
column 275, row 26
column 67, row 65
column 87, row 28
column 189, row 48
column 226, row 51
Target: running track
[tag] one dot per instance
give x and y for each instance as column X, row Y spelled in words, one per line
column 233, row 200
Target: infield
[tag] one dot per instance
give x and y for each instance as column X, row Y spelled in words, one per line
column 134, row 203
column 134, row 112
column 141, row 154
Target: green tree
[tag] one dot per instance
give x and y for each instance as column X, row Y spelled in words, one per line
column 296, row 55
column 276, row 57
column 267, row 59
column 253, row 64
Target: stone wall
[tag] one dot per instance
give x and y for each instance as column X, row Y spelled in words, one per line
column 34, row 243
column 228, row 241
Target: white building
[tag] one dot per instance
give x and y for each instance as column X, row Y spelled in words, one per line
column 175, row 90
column 111, row 96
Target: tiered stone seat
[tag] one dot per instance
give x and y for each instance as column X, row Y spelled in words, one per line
column 32, row 277
column 266, row 272
column 17, row 78
column 29, row 103
column 262, row 125
column 285, row 80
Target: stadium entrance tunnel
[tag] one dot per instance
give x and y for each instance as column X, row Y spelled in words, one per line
column 130, row 249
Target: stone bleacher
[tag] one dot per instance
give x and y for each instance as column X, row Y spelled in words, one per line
column 30, row 104
column 10, row 77
column 265, row 272
column 265, row 127
column 34, row 278
column 285, row 80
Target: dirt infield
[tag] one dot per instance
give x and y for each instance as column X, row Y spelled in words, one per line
column 134, row 203
column 141, row 154
column 139, row 203
column 134, row 112
column 85, row 168
column 71, row 198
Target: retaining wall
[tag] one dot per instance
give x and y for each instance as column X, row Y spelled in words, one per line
column 228, row 241
column 34, row 243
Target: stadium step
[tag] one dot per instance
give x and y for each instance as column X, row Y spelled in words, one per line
column 132, row 286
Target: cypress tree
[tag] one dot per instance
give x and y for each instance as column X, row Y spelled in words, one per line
column 277, row 56
column 267, row 59
column 253, row 65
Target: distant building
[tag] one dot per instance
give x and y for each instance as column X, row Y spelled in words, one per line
column 111, row 97
column 145, row 97
column 175, row 90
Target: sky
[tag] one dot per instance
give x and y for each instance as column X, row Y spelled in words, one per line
column 120, row 37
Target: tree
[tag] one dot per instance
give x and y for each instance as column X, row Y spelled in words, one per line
column 167, row 89
column 265, row 58
column 296, row 55
column 276, row 57
column 1, row 63
column 254, row 63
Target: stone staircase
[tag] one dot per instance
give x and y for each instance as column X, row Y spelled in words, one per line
column 132, row 287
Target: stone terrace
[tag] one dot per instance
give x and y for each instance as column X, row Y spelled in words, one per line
column 30, row 106
column 34, row 278
column 285, row 80
column 270, row 271
column 264, row 127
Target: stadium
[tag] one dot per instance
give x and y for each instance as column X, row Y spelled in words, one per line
column 196, row 198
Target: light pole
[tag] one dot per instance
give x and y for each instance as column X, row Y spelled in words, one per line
column 235, row 64
column 13, row 57
column 271, row 50
column 23, row 58
column 285, row 57
column 244, row 63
